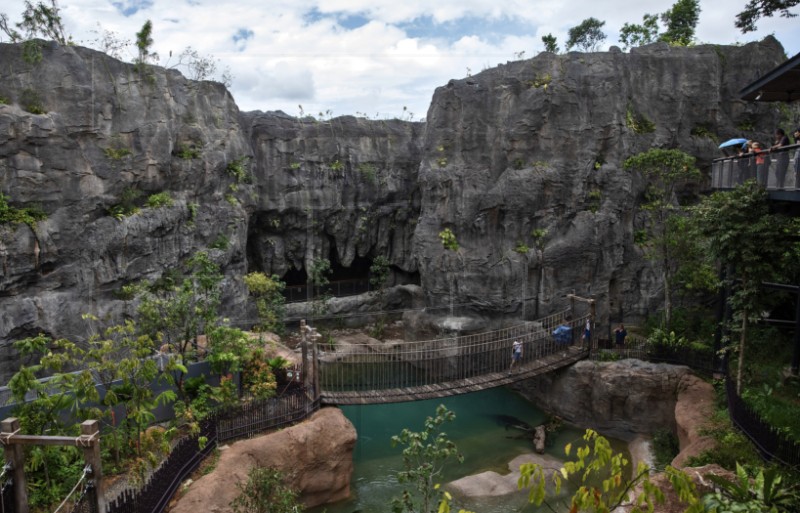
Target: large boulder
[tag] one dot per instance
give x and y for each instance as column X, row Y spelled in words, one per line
column 316, row 457
column 618, row 398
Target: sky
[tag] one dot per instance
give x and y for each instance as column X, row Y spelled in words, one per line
column 379, row 59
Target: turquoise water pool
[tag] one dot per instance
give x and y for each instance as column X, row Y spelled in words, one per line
column 483, row 439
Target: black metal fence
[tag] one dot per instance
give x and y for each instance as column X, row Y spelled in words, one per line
column 235, row 422
column 341, row 288
column 770, row 442
column 6, row 494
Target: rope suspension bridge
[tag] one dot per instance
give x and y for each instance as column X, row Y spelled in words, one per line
column 409, row 371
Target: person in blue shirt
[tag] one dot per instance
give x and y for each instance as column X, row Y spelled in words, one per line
column 620, row 334
column 516, row 354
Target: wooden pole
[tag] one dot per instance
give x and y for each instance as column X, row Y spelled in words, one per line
column 90, row 442
column 15, row 455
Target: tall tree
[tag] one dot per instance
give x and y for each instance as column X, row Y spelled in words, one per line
column 587, row 36
column 681, row 21
column 550, row 43
column 632, row 34
column 742, row 233
column 756, row 9
column 144, row 43
column 665, row 171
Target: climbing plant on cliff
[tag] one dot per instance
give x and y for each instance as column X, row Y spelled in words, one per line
column 666, row 171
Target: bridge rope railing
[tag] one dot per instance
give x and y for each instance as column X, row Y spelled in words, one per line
column 413, row 364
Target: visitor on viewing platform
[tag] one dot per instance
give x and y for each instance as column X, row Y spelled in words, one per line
column 797, row 159
column 620, row 334
column 781, row 158
column 781, row 139
column 762, row 165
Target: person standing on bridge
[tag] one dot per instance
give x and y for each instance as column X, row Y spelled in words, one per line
column 516, row 354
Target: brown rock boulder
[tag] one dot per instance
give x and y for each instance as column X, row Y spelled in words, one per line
column 316, row 457
column 693, row 411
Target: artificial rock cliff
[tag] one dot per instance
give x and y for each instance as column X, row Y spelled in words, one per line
column 534, row 144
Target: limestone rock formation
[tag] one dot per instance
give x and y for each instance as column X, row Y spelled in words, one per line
column 618, row 398
column 316, row 457
column 534, row 144
column 693, row 412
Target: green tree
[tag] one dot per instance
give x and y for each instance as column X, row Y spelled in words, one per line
column 265, row 492
column 424, row 457
column 681, row 21
column 740, row 232
column 144, row 44
column 270, row 303
column 666, row 171
column 550, row 43
column 319, row 276
column 587, row 35
column 756, row 9
column 632, row 34
column 176, row 309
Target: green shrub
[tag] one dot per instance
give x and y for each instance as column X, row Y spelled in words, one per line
column 221, row 242
column 31, row 102
column 540, row 82
column 3, row 100
column 337, row 165
column 265, row 492
column 192, row 207
column 12, row 215
column 448, row 239
column 158, row 200
column 188, row 152
column 522, row 248
column 238, row 169
column 117, row 153
column 127, row 205
column 703, row 131
column 638, row 122
column 367, row 171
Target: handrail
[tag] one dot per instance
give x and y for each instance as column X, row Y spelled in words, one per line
column 767, row 151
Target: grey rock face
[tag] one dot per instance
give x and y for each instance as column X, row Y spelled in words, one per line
column 535, row 144
column 619, row 398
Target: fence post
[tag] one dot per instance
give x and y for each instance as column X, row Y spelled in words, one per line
column 304, row 347
column 15, row 454
column 90, row 433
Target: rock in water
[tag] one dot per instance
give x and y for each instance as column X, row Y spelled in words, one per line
column 539, row 439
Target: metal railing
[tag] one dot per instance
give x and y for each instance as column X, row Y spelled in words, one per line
column 777, row 169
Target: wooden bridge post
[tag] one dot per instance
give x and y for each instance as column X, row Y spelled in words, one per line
column 15, row 455
column 90, row 442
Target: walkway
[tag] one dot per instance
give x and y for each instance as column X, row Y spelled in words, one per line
column 409, row 371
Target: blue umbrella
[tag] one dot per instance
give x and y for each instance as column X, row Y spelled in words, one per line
column 733, row 142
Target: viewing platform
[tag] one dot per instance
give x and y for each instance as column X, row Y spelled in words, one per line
column 777, row 170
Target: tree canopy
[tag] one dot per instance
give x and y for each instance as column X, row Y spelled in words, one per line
column 587, row 36
column 756, row 9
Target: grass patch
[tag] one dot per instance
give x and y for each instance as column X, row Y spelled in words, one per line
column 158, row 200
column 12, row 215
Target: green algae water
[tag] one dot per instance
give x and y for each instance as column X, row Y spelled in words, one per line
column 480, row 431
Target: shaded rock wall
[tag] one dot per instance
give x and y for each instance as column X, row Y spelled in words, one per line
column 499, row 155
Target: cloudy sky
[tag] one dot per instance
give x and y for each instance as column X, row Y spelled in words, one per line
column 377, row 58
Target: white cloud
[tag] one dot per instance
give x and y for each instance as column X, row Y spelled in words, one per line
column 296, row 51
